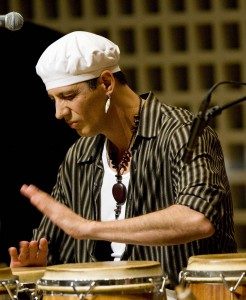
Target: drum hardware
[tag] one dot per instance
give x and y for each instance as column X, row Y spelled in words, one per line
column 82, row 296
column 27, row 279
column 9, row 283
column 162, row 288
column 93, row 283
column 232, row 289
column 27, row 289
column 182, row 278
column 6, row 284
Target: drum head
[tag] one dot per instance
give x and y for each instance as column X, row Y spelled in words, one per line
column 28, row 274
column 102, row 270
column 213, row 267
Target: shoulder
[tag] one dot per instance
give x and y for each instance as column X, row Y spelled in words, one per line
column 159, row 118
column 157, row 108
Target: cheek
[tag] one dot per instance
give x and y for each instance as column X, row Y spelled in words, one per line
column 90, row 106
column 94, row 107
column 79, row 108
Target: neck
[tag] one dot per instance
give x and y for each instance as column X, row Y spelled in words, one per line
column 120, row 158
column 120, row 119
column 114, row 152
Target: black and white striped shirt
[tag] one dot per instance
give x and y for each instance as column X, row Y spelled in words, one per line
column 158, row 179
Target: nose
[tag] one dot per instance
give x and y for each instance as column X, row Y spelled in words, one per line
column 61, row 110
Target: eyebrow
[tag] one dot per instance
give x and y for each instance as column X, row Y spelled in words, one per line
column 64, row 93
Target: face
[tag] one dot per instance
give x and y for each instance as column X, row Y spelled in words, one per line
column 81, row 107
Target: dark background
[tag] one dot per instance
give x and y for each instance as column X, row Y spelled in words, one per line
column 33, row 141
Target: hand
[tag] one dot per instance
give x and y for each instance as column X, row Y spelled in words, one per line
column 31, row 254
column 62, row 216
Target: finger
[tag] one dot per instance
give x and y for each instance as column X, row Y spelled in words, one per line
column 24, row 256
column 43, row 245
column 24, row 245
column 24, row 251
column 53, row 210
column 27, row 190
column 43, row 250
column 40, row 199
column 18, row 259
column 14, row 255
column 33, row 250
column 14, row 258
column 48, row 205
column 24, row 248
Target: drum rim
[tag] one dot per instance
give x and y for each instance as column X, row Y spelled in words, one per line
column 42, row 282
column 191, row 275
column 219, row 256
column 133, row 284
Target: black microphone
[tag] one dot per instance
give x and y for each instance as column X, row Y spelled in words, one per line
column 12, row 21
column 197, row 127
column 201, row 120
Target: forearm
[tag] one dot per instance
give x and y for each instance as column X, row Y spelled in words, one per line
column 174, row 225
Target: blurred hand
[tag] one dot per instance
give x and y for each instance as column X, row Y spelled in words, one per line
column 30, row 254
column 62, row 216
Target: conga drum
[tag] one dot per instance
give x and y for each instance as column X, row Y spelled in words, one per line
column 216, row 276
column 8, row 283
column 103, row 281
column 28, row 277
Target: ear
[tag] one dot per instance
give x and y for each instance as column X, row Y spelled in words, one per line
column 108, row 80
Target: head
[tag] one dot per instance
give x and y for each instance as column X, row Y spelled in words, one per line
column 79, row 70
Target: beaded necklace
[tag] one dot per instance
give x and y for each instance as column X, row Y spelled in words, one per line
column 119, row 189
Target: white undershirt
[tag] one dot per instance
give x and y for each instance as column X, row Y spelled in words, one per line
column 108, row 203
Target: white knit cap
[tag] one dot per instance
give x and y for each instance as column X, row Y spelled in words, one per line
column 76, row 57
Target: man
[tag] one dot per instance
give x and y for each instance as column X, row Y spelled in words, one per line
column 123, row 191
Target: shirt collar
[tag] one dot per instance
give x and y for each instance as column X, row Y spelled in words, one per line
column 150, row 117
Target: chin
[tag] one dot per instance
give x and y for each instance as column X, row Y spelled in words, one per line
column 83, row 133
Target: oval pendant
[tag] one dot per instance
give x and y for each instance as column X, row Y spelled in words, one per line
column 119, row 192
